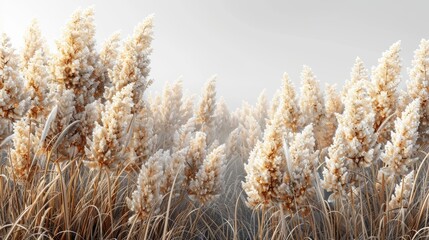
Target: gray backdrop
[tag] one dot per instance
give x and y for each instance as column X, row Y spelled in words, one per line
column 248, row 44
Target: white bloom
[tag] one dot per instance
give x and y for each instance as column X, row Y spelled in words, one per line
column 107, row 147
column 14, row 101
column 265, row 166
column 358, row 74
column 402, row 193
column 292, row 118
column 311, row 100
column 385, row 79
column 399, row 152
column 418, row 85
column 147, row 198
column 207, row 184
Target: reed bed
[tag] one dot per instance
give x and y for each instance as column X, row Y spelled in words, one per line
column 88, row 153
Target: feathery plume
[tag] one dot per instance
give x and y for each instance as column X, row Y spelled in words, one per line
column 335, row 174
column 167, row 114
column 173, row 171
column 418, row 85
column 290, row 111
column 234, row 144
column 65, row 100
column 332, row 101
column 385, row 79
column 183, row 136
column 142, row 40
column 399, row 152
column 222, row 120
column 359, row 73
column 110, row 50
column 274, row 104
column 13, row 99
column 297, row 186
column 77, row 65
column 207, row 184
column 21, row 155
column 142, row 140
column 311, row 100
column 265, row 165
column 108, row 57
column 187, row 108
column 354, row 146
column 240, row 114
column 311, row 103
column 133, row 62
column 36, row 85
column 195, row 156
column 357, row 123
column 400, row 199
column 251, row 133
column 204, row 115
column 33, row 42
column 106, row 149
column 147, row 198
column 261, row 109
column 329, row 123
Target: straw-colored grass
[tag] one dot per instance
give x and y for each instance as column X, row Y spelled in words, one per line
column 86, row 153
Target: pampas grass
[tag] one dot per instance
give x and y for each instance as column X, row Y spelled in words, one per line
column 88, row 153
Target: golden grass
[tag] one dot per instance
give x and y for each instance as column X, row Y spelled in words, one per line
column 64, row 197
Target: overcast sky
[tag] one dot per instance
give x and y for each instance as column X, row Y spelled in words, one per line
column 248, row 44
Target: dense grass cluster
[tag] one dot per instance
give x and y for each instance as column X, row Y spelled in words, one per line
column 87, row 153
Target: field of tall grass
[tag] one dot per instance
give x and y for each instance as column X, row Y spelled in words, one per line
column 88, row 153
